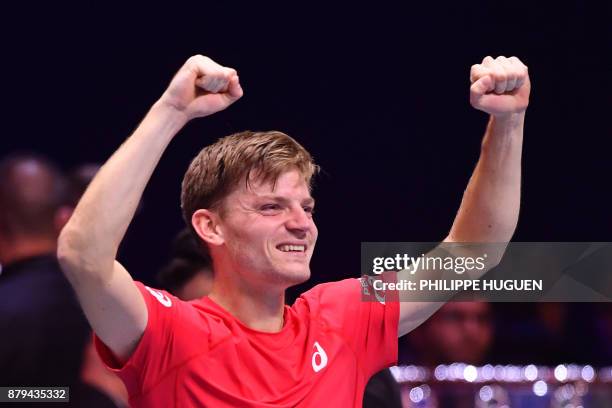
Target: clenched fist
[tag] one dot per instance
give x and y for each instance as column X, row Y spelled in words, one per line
column 202, row 87
column 500, row 86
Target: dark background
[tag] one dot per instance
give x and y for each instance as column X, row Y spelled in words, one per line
column 378, row 93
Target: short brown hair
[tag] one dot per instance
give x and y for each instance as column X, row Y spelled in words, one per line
column 218, row 168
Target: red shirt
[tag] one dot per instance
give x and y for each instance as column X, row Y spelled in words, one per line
column 195, row 354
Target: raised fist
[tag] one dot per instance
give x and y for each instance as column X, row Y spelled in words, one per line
column 202, row 87
column 500, row 86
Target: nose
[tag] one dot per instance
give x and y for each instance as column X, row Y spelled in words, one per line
column 299, row 221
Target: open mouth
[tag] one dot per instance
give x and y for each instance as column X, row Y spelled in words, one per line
column 295, row 248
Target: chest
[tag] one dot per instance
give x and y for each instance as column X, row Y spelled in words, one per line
column 278, row 371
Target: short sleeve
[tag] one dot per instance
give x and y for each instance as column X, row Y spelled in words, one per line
column 157, row 350
column 369, row 326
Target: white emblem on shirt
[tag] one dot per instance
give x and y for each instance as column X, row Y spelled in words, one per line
column 366, row 282
column 322, row 358
column 163, row 299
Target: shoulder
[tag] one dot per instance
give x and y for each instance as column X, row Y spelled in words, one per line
column 329, row 299
column 333, row 291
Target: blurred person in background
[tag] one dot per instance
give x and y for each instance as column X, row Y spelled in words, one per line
column 458, row 332
column 188, row 275
column 43, row 329
column 382, row 391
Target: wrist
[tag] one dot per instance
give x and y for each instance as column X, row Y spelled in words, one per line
column 512, row 119
column 503, row 131
column 173, row 118
column 170, row 112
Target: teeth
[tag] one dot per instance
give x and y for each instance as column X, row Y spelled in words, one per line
column 292, row 248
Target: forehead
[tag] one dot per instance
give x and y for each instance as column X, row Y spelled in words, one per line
column 289, row 184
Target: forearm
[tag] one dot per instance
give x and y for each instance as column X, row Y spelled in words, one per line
column 93, row 234
column 490, row 206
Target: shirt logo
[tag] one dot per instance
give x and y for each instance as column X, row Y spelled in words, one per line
column 322, row 357
column 366, row 282
column 163, row 299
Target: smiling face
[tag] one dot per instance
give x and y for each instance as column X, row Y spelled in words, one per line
column 268, row 231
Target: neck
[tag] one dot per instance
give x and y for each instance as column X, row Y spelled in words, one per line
column 19, row 249
column 257, row 308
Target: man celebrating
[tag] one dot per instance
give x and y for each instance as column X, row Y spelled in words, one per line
column 247, row 198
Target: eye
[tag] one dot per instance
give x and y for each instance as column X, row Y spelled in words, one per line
column 271, row 208
column 309, row 209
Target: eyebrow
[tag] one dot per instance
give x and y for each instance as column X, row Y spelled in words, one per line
column 283, row 200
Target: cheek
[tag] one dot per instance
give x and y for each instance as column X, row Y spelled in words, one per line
column 315, row 230
column 249, row 242
column 239, row 243
column 240, row 230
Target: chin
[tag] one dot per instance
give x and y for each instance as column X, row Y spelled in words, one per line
column 293, row 278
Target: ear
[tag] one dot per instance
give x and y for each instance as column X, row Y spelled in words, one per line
column 206, row 224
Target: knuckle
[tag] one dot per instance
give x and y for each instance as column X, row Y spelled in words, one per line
column 500, row 76
column 196, row 58
column 196, row 61
column 519, row 62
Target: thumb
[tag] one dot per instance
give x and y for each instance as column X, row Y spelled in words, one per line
column 480, row 88
column 234, row 89
column 183, row 78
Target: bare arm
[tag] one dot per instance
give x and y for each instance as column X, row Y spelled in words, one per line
column 88, row 244
column 490, row 206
